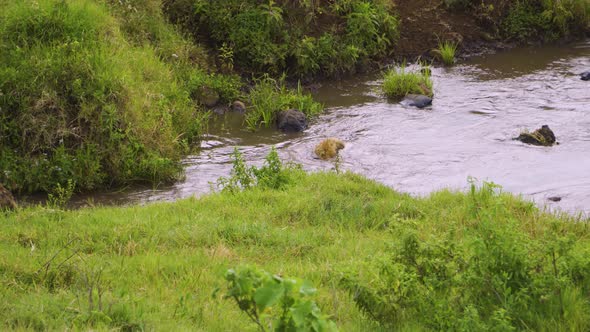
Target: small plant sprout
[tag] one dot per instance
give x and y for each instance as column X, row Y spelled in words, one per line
column 276, row 303
column 447, row 51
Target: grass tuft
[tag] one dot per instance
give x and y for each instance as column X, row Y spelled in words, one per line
column 447, row 50
column 271, row 96
column 397, row 83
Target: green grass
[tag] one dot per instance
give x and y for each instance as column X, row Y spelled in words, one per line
column 156, row 266
column 82, row 100
column 397, row 83
column 447, row 51
column 270, row 96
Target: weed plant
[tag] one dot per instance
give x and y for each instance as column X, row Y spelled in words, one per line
column 398, row 82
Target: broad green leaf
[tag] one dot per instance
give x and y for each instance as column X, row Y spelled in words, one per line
column 268, row 295
column 307, row 289
column 300, row 312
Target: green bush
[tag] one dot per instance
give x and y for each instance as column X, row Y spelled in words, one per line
column 272, row 175
column 271, row 96
column 397, row 83
column 547, row 19
column 79, row 102
column 479, row 274
column 286, row 36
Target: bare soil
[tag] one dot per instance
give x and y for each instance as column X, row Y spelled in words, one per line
column 426, row 22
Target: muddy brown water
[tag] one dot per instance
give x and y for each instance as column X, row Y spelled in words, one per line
column 479, row 106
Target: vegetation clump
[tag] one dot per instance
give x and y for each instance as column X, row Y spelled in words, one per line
column 270, row 96
column 398, row 83
column 548, row 20
column 487, row 271
column 302, row 38
column 447, row 52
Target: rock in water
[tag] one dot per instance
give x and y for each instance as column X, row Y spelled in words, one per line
column 291, row 121
column 542, row 136
column 6, row 199
column 585, row 76
column 328, row 148
column 419, row 101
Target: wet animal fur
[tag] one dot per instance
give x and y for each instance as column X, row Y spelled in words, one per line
column 328, row 148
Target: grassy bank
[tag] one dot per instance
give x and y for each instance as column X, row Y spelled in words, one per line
column 81, row 100
column 477, row 261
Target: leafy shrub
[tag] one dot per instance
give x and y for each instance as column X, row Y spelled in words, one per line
column 271, row 96
column 276, row 303
column 285, row 36
column 478, row 275
column 547, row 19
column 397, row 83
column 272, row 175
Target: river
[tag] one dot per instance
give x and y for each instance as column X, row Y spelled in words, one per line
column 479, row 106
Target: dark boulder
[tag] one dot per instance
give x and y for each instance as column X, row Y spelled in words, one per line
column 419, row 101
column 291, row 121
column 585, row 76
column 543, row 137
column 7, row 201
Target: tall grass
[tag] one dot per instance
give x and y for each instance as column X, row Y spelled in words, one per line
column 381, row 260
column 80, row 102
column 398, row 82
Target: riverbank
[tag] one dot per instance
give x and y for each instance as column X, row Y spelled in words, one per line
column 477, row 259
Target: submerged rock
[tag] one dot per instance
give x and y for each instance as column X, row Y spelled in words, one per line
column 291, row 121
column 554, row 198
column 542, row 136
column 419, row 101
column 585, row 76
column 328, row 148
column 6, row 199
